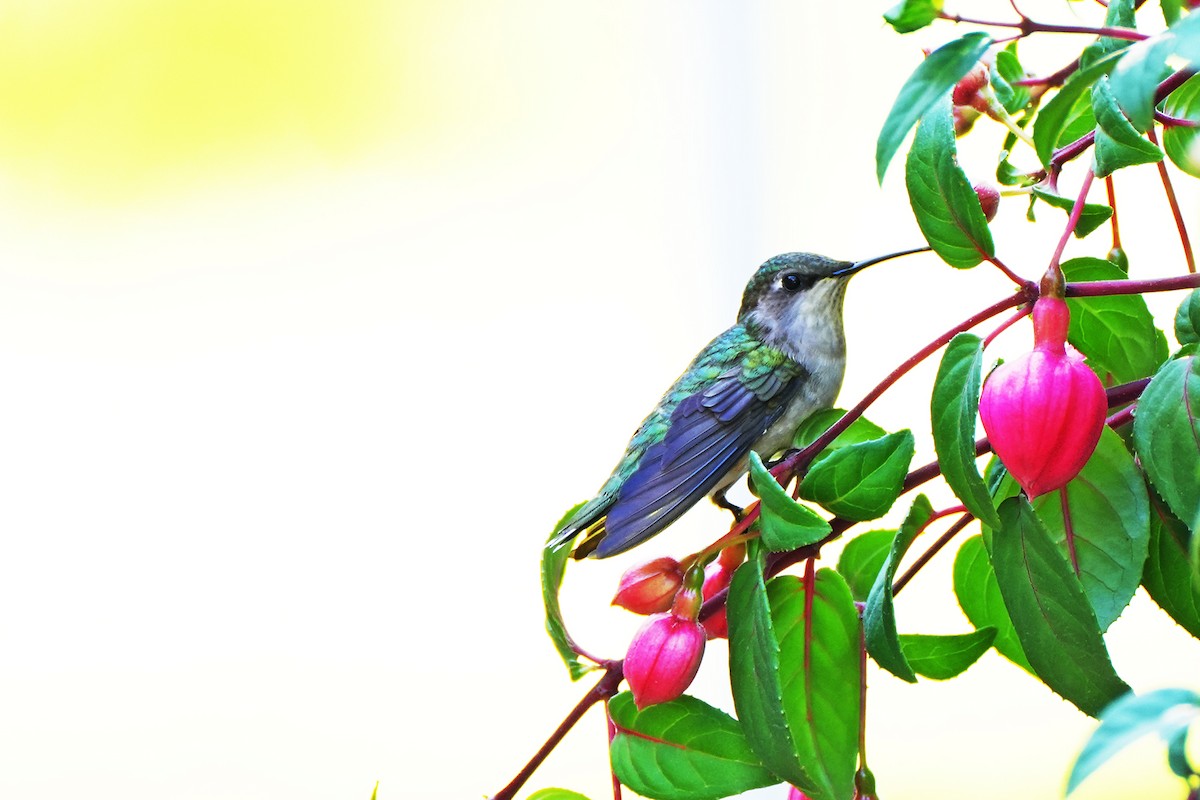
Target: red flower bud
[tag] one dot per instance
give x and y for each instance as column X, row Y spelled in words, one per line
column 989, row 200
column 964, row 119
column 967, row 89
column 649, row 588
column 1044, row 412
column 716, row 579
column 663, row 658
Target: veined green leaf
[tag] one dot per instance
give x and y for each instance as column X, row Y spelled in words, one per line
column 861, row 560
column 784, row 523
column 795, row 672
column 682, row 750
column 1117, row 333
column 932, row 79
column 1144, row 65
column 1118, row 143
column 1053, row 618
column 1166, row 432
column 943, row 201
column 861, row 481
column 879, row 617
column 912, row 15
column 954, row 407
column 943, row 657
column 1166, row 712
column 554, row 565
column 979, row 598
column 1093, row 215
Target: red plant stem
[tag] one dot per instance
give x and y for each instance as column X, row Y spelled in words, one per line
column 1168, row 121
column 1069, row 151
column 1122, row 417
column 1053, row 79
column 810, row 593
column 1126, row 392
column 804, row 457
column 1012, row 276
column 1028, row 26
column 1174, row 203
column 1105, row 288
column 1172, row 83
column 1072, row 220
column 1008, row 323
column 862, row 692
column 604, row 689
column 1112, row 201
column 942, row 541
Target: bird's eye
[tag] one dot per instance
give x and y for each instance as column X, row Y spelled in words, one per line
column 793, row 282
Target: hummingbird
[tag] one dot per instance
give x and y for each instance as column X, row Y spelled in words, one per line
column 748, row 389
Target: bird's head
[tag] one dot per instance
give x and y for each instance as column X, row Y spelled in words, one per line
column 794, row 300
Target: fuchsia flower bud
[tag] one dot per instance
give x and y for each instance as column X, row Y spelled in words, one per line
column 796, row 794
column 716, row 579
column 649, row 588
column 665, row 653
column 1044, row 412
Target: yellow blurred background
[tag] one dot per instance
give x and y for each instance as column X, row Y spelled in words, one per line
column 315, row 315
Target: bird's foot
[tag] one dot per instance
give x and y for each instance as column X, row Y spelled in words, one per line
column 720, row 501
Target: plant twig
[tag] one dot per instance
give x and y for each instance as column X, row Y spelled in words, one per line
column 604, row 689
column 1184, row 241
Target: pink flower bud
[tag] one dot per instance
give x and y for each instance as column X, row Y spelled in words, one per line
column 663, row 658
column 796, row 794
column 716, row 579
column 1044, row 412
column 989, row 199
column 649, row 588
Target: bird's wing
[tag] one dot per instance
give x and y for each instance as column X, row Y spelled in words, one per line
column 710, row 431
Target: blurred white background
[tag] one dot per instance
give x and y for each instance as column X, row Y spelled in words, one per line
column 315, row 316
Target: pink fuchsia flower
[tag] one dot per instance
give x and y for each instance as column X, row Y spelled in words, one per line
column 649, row 588
column 1044, row 412
column 663, row 658
column 665, row 652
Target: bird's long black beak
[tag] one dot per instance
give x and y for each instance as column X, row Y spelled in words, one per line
column 860, row 265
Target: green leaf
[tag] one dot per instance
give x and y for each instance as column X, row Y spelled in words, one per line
column 1093, row 215
column 1055, row 113
column 1116, row 333
column 1171, row 10
column 860, row 430
column 554, row 565
column 1004, row 76
column 555, row 794
column 784, row 523
column 1187, row 319
column 1166, row 712
column 1135, row 80
column 795, row 672
column 1053, row 618
column 979, row 598
column 929, row 82
column 861, row 560
column 1118, row 143
column 861, row 481
column 1177, row 758
column 1169, row 578
column 1120, row 15
column 912, row 15
column 1166, row 432
column 682, row 750
column 944, row 657
column 942, row 199
column 1008, row 175
column 1110, row 521
column 954, row 407
column 879, row 617
column 1179, row 141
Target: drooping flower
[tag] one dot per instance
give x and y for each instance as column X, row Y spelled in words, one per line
column 1044, row 411
column 649, row 588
